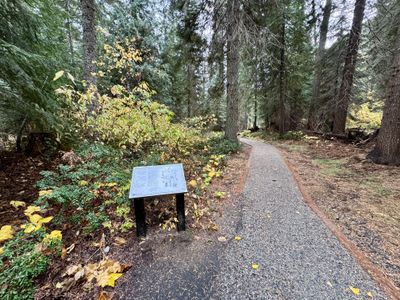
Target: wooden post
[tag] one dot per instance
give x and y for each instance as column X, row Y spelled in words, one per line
column 180, row 209
column 140, row 214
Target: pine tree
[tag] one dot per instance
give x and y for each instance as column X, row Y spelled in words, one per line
column 343, row 99
column 88, row 8
column 316, row 89
column 387, row 150
column 232, row 61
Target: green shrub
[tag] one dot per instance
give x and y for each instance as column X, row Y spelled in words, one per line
column 20, row 264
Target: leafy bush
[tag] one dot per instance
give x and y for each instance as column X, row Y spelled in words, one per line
column 84, row 192
column 26, row 256
column 292, row 135
column 365, row 116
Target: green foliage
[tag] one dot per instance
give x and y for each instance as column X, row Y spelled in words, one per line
column 20, row 264
column 30, row 51
column 292, row 135
column 219, row 145
column 82, row 192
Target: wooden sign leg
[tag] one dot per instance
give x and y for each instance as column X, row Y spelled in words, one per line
column 140, row 215
column 180, row 209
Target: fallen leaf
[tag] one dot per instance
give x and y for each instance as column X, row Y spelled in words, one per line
column 355, row 290
column 28, row 228
column 193, row 183
column 1, row 250
column 112, row 278
column 369, row 294
column 78, row 275
column 59, row 285
column 71, row 270
column 17, row 204
column 105, row 295
column 58, row 75
column 222, row 239
column 31, row 209
column 63, row 252
column 329, row 284
column 52, row 236
column 45, row 192
column 237, row 238
column 6, row 233
column 254, row 266
column 71, row 77
column 119, row 241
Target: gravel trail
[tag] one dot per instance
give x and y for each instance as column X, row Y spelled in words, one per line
column 297, row 256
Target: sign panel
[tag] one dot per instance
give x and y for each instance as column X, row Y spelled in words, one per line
column 160, row 180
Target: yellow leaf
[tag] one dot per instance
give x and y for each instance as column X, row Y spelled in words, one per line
column 58, row 75
column 31, row 209
column 112, row 278
column 83, row 183
column 45, row 192
column 369, row 294
column 35, row 218
column 211, row 174
column 329, row 284
column 17, row 204
column 53, row 236
column 1, row 250
column 71, row 77
column 238, row 238
column 45, row 220
column 6, row 233
column 193, row 183
column 254, row 266
column 28, row 228
column 59, row 285
column 355, row 291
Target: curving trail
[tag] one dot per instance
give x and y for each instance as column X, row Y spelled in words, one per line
column 297, row 256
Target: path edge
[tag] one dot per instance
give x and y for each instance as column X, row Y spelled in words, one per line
column 374, row 272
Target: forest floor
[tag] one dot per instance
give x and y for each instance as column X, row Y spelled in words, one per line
column 360, row 197
column 18, row 176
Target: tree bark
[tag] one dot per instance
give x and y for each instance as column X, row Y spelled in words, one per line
column 312, row 118
column 89, row 40
column 342, row 103
column 387, row 150
column 282, row 75
column 232, row 117
column 68, row 25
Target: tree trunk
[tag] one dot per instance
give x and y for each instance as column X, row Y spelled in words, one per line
column 342, row 103
column 89, row 39
column 191, row 89
column 68, row 25
column 387, row 150
column 232, row 57
column 312, row 118
column 282, row 74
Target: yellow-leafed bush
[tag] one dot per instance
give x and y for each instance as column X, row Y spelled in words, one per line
column 365, row 116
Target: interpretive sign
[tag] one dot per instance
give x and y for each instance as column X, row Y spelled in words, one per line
column 153, row 181
column 157, row 180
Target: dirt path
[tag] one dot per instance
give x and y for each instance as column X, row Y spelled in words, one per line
column 296, row 255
